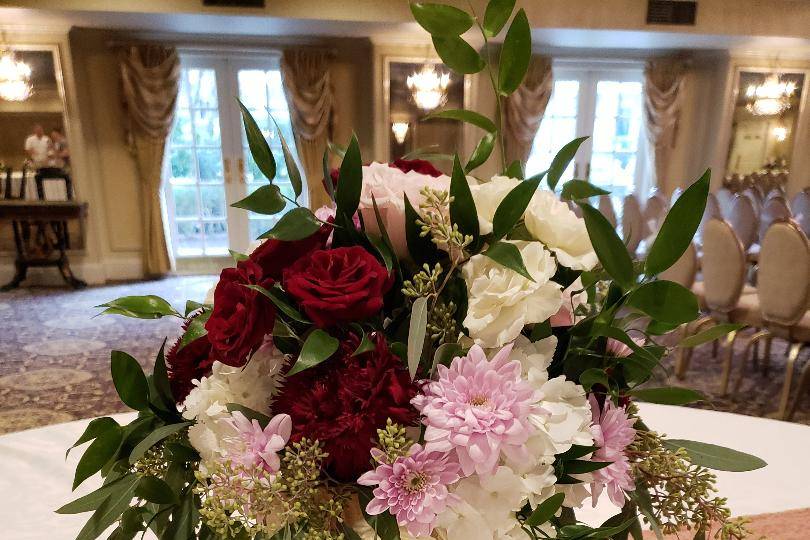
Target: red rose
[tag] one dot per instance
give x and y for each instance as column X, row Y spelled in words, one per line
column 241, row 316
column 417, row 165
column 273, row 256
column 344, row 400
column 191, row 362
column 338, row 285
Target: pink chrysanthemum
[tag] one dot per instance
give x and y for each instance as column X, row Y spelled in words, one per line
column 253, row 446
column 413, row 489
column 478, row 409
column 612, row 432
column 620, row 350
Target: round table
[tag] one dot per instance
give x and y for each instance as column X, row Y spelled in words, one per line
column 35, row 478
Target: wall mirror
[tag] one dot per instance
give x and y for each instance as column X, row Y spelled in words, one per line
column 767, row 105
column 416, row 87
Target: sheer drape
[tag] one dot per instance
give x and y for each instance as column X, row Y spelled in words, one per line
column 663, row 96
column 524, row 109
column 308, row 87
column 150, row 76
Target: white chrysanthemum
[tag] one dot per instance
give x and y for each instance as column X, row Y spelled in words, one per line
column 252, row 386
column 551, row 221
column 501, row 301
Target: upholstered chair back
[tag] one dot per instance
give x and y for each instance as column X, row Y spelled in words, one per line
column 744, row 220
column 684, row 270
column 783, row 280
column 632, row 223
column 723, row 266
column 800, row 207
column 676, row 194
column 726, row 200
column 606, row 207
column 773, row 209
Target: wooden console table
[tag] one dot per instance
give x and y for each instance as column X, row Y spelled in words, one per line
column 41, row 236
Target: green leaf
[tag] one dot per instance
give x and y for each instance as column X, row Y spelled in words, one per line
column 610, row 532
column 280, row 301
column 670, row 395
column 582, row 467
column 153, row 438
column 335, row 148
column 665, row 301
column 496, row 15
column 458, row 54
column 129, row 380
column 416, row 333
column 610, row 249
column 471, row 117
column 445, row 353
column 508, row 255
column 297, row 224
column 195, row 330
column 462, row 207
column 259, row 148
column 420, row 247
column 101, row 450
column 292, row 167
column 184, row 518
column 561, row 161
column 545, row 510
column 179, row 452
column 512, row 207
column 481, row 152
column 576, row 451
column 92, row 500
column 441, row 19
column 679, row 227
column 384, row 525
column 140, row 307
column 96, row 427
column 110, row 510
column 592, row 376
column 160, row 380
column 580, row 189
column 710, row 334
column 265, row 200
column 365, row 346
column 515, row 170
column 191, row 305
column 155, row 490
column 318, row 347
column 249, row 413
column 350, row 182
column 716, row 457
column 515, row 54
column 327, row 175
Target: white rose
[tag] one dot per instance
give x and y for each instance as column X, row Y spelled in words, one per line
column 388, row 186
column 551, row 221
column 501, row 301
column 488, row 197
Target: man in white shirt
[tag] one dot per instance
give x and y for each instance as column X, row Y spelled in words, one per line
column 38, row 147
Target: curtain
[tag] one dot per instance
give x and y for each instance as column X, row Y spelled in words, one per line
column 524, row 109
column 150, row 75
column 308, row 87
column 663, row 96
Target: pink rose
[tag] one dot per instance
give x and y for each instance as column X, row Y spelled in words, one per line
column 388, row 186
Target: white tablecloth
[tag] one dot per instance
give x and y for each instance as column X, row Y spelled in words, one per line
column 35, row 479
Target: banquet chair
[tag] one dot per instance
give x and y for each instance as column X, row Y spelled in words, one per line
column 726, row 297
column 14, row 187
column 712, row 211
column 774, row 209
column 756, row 198
column 655, row 210
column 607, row 210
column 783, row 289
column 632, row 223
column 800, row 208
column 676, row 193
column 53, row 184
column 725, row 199
column 744, row 220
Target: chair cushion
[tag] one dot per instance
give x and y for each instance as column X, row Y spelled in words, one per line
column 801, row 332
column 747, row 311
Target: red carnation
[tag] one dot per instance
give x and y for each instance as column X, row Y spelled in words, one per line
column 343, row 401
column 338, row 285
column 275, row 255
column 185, row 364
column 241, row 316
column 417, row 165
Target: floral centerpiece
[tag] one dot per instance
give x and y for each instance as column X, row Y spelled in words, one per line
column 432, row 356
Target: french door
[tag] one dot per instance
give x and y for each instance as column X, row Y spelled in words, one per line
column 208, row 165
column 605, row 105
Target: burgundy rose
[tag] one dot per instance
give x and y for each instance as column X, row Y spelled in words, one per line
column 343, row 401
column 185, row 364
column 338, row 285
column 273, row 256
column 241, row 316
column 417, row 165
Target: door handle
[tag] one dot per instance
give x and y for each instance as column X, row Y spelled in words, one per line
column 240, row 164
column 226, row 170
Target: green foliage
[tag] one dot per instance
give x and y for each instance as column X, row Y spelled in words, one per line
column 98, row 454
column 420, row 247
column 416, row 333
column 297, row 224
column 575, row 190
column 496, row 15
column 508, row 255
column 609, row 248
column 512, row 207
column 153, row 438
column 318, row 347
column 716, row 457
column 462, row 205
column 129, row 380
column 155, row 490
column 110, row 509
column 458, row 54
column 441, row 19
column 665, row 301
column 259, row 148
column 289, row 160
column 140, row 307
column 545, row 510
column 481, row 152
column 561, row 161
column 515, row 55
column 470, row 117
column 265, row 200
column 710, row 334
column 280, row 300
column 350, row 181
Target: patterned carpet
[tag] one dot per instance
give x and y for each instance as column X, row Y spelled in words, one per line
column 54, row 356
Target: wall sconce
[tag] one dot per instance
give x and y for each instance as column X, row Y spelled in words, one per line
column 400, row 130
column 780, row 133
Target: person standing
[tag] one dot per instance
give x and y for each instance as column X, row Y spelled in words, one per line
column 60, row 149
column 38, row 147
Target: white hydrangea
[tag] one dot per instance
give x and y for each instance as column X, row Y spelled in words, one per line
column 252, row 386
column 501, row 301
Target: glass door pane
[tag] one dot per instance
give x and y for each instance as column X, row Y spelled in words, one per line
column 558, row 127
column 195, row 193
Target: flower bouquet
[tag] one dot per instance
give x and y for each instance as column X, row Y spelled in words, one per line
column 431, row 356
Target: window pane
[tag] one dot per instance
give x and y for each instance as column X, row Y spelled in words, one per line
column 216, row 238
column 213, row 201
column 203, row 87
column 252, row 88
column 182, row 165
column 209, row 164
column 557, row 128
column 189, row 238
column 185, row 201
column 206, row 127
column 260, row 226
column 181, row 134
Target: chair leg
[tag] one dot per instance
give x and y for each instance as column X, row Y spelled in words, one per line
column 753, row 343
column 727, row 360
column 804, row 382
column 683, row 356
column 766, row 359
column 791, row 361
column 715, row 347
